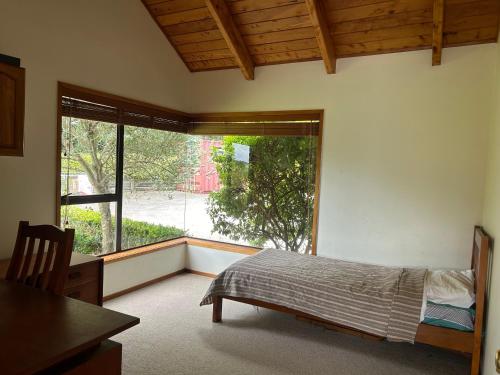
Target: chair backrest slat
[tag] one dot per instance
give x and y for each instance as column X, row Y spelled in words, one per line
column 61, row 263
column 27, row 260
column 46, row 270
column 17, row 256
column 38, row 262
column 44, row 277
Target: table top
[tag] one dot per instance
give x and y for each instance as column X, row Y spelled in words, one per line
column 39, row 329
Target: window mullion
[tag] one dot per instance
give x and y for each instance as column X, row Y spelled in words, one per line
column 119, row 185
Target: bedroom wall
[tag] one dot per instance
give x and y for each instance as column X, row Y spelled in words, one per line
column 404, row 147
column 211, row 261
column 111, row 46
column 491, row 221
column 127, row 273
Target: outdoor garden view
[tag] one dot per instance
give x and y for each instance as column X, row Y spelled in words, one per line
column 251, row 190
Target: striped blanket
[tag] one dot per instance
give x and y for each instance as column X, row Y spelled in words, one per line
column 383, row 301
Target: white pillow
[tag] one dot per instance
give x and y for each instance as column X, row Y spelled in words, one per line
column 454, row 288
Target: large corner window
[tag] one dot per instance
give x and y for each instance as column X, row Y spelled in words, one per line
column 255, row 190
column 131, row 176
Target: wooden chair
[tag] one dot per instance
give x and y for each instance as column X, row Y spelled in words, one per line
column 47, row 268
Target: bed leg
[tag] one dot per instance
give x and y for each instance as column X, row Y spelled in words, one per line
column 217, row 310
column 475, row 363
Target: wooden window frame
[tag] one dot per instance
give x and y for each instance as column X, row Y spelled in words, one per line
column 168, row 244
column 196, row 124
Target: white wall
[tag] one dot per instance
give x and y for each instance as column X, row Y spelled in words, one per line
column 128, row 273
column 403, row 153
column 492, row 225
column 207, row 260
column 112, row 46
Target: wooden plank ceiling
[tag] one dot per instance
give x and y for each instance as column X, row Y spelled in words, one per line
column 225, row 34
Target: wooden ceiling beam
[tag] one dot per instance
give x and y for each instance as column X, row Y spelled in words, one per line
column 437, row 32
column 281, row 31
column 222, row 17
column 325, row 41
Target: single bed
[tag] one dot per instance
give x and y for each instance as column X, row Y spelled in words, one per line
column 365, row 316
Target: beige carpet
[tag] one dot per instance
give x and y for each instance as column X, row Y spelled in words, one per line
column 176, row 336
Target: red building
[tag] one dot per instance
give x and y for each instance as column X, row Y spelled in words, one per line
column 205, row 178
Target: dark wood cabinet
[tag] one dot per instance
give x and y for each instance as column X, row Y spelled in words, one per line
column 104, row 359
column 11, row 110
column 85, row 278
column 84, row 281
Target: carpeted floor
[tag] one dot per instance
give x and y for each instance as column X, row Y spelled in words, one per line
column 177, row 336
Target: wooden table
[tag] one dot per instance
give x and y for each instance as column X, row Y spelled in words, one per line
column 39, row 330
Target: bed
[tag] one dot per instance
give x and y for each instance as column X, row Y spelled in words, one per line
column 383, row 303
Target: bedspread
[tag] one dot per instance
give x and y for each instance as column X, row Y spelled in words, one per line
column 384, row 301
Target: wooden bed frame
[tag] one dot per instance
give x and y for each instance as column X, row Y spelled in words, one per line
column 447, row 338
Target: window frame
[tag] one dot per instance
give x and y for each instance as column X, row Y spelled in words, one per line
column 117, row 196
column 198, row 124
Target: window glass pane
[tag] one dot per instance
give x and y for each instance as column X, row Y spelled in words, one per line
column 88, row 157
column 155, row 169
column 94, row 224
column 203, row 180
column 254, row 190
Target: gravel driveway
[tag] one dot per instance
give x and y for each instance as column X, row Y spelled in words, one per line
column 182, row 210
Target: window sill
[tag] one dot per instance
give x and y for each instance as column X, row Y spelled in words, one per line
column 148, row 249
column 143, row 250
column 222, row 246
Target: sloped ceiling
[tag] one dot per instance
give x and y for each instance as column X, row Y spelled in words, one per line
column 225, row 34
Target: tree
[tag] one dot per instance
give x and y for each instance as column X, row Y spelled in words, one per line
column 269, row 199
column 90, row 147
column 157, row 157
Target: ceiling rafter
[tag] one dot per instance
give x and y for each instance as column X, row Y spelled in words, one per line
column 437, row 31
column 266, row 32
column 222, row 16
column 317, row 13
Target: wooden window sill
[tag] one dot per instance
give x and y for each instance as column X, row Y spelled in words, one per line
column 222, row 246
column 148, row 249
column 143, row 250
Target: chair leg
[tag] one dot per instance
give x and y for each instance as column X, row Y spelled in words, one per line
column 217, row 310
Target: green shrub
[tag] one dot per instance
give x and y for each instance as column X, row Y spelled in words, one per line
column 137, row 233
column 88, row 235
